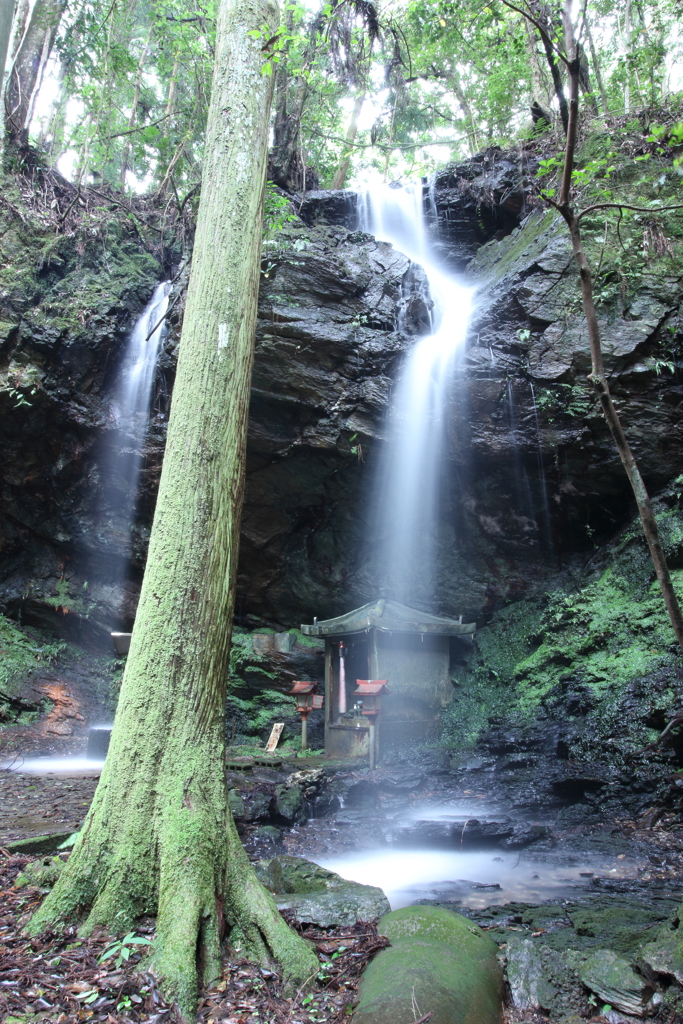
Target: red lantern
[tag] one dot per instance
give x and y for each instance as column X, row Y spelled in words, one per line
column 372, row 691
column 306, row 700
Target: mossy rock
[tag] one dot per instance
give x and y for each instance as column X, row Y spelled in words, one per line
column 318, row 896
column 41, row 873
column 613, row 979
column 438, row 962
column 665, row 954
column 290, row 804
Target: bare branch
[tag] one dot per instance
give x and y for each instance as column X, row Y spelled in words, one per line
column 627, row 206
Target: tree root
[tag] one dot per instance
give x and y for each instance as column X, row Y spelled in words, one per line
column 193, row 872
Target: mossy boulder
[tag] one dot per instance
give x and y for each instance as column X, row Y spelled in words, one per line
column 438, row 961
column 290, row 804
column 251, row 805
column 613, row 979
column 41, row 873
column 665, row 954
column 318, row 896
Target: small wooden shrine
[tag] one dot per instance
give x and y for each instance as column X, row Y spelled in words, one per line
column 385, row 640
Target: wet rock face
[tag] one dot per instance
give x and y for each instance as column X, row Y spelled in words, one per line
column 532, row 476
column 66, row 307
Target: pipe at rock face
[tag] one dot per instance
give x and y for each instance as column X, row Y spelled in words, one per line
column 342, row 680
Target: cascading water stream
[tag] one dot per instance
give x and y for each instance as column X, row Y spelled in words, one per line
column 409, row 488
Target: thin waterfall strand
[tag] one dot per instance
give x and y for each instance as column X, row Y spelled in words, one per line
column 131, row 404
column 123, row 456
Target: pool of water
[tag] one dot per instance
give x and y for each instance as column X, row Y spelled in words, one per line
column 53, row 766
column 474, row 879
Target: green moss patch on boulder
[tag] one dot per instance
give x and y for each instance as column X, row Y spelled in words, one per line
column 614, row 980
column 318, row 896
column 602, row 635
column 438, row 961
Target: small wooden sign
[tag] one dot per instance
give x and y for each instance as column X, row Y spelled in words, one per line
column 275, row 734
column 317, row 701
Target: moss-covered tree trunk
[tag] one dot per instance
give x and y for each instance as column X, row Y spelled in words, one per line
column 159, row 837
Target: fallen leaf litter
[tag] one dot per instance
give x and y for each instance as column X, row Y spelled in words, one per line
column 60, row 979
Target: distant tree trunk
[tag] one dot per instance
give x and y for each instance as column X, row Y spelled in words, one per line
column 134, row 107
column 285, row 165
column 626, row 38
column 6, row 18
column 556, row 74
column 543, row 18
column 585, row 82
column 351, row 132
column 172, row 88
column 467, row 111
column 541, row 95
column 596, row 69
column 598, row 377
column 28, row 66
column 159, row 837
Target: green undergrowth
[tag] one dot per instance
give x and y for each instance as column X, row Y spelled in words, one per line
column 252, row 709
column 63, row 285
column 604, row 635
column 23, row 652
column 629, row 249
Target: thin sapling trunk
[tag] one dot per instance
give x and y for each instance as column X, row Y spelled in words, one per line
column 598, row 377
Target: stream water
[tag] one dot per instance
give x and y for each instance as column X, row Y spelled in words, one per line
column 409, row 485
column 474, row 879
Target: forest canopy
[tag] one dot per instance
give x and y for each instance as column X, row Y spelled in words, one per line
column 363, row 91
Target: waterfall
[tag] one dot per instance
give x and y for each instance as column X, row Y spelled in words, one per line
column 131, row 405
column 408, row 489
column 130, row 418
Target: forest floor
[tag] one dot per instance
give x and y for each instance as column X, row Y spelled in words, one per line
column 59, row 979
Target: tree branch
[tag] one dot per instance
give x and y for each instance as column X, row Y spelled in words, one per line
column 627, row 206
column 541, row 28
column 141, row 128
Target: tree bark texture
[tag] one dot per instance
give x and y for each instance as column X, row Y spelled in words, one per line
column 598, row 377
column 159, row 837
column 28, row 66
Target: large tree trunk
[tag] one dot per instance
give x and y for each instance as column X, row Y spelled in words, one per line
column 159, row 837
column 29, row 64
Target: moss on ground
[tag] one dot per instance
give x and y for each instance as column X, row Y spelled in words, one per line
column 252, row 709
column 23, row 652
column 605, row 634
